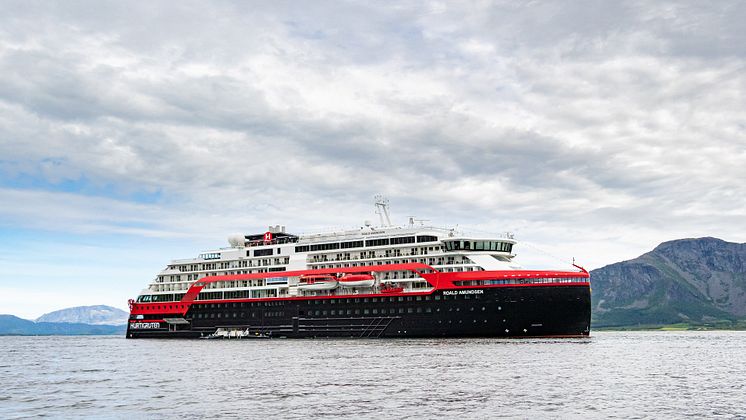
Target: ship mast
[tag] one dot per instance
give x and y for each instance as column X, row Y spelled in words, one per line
column 382, row 209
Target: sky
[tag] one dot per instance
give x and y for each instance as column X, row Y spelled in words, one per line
column 133, row 133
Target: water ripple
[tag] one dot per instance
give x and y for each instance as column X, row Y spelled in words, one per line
column 615, row 375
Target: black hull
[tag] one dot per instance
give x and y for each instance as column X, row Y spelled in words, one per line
column 535, row 311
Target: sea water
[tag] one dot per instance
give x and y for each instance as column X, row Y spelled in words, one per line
column 610, row 374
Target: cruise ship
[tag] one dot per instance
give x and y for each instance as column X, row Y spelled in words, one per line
column 373, row 282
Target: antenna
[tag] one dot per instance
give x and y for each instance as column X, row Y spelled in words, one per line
column 413, row 221
column 382, row 209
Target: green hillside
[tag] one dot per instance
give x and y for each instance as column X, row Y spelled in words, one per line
column 690, row 282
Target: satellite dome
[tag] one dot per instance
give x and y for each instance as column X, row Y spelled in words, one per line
column 237, row 240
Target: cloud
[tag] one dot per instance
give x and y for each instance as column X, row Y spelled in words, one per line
column 607, row 122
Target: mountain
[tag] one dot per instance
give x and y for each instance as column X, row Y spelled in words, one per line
column 12, row 325
column 81, row 320
column 94, row 315
column 692, row 281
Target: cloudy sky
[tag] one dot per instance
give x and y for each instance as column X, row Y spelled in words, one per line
column 132, row 133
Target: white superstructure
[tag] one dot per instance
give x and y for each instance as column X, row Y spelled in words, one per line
column 446, row 250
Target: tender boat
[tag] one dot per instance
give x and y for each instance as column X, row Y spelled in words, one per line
column 317, row 282
column 357, row 280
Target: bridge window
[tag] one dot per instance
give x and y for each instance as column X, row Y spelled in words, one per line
column 377, row 242
column 459, row 245
column 352, row 244
column 402, row 240
column 324, row 247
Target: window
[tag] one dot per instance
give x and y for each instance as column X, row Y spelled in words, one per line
column 427, row 238
column 402, row 240
column 352, row 244
column 324, row 247
column 263, row 252
column 377, row 242
column 302, row 248
column 500, row 246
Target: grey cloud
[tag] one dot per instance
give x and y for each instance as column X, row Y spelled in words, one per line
column 608, row 113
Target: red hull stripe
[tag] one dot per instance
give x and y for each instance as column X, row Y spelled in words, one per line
column 384, row 295
column 438, row 280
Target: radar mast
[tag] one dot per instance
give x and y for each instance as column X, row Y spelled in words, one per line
column 382, row 209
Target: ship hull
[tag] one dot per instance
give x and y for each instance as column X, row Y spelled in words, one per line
column 516, row 311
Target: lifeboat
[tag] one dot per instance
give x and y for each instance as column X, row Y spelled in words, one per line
column 357, row 280
column 317, row 282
